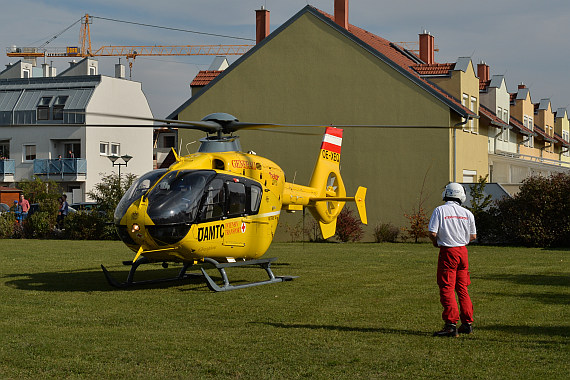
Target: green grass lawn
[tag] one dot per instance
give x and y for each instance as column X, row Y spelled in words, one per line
column 360, row 311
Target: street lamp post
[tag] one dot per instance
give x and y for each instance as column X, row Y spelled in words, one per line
column 126, row 158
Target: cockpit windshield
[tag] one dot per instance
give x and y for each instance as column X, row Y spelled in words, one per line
column 137, row 190
column 176, row 197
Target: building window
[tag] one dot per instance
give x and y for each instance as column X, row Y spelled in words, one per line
column 43, row 108
column 4, row 149
column 29, row 152
column 115, row 149
column 469, row 176
column 58, row 106
column 104, row 148
column 92, row 70
column 72, row 150
column 464, row 101
column 474, row 110
column 25, row 73
column 169, row 142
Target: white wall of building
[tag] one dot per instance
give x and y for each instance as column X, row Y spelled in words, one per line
column 121, row 97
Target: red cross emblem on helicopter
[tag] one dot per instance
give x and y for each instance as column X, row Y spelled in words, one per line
column 242, row 227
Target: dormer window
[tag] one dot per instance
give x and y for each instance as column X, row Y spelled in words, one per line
column 58, row 106
column 43, row 108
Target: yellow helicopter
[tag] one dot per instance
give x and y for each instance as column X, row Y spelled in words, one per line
column 221, row 206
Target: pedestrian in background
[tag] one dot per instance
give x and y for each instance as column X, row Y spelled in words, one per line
column 25, row 206
column 63, row 211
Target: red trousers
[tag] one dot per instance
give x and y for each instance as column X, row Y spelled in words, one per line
column 452, row 277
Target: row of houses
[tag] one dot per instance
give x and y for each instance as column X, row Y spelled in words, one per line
column 319, row 69
column 456, row 121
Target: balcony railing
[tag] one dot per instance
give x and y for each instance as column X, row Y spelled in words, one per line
column 542, row 160
column 7, row 167
column 60, row 166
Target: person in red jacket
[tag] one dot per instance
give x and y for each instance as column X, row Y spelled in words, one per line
column 25, row 206
column 450, row 229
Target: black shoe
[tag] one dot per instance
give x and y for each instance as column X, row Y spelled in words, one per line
column 465, row 328
column 450, row 329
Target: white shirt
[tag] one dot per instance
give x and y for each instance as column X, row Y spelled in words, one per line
column 453, row 225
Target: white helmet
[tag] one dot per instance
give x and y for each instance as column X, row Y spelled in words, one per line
column 454, row 190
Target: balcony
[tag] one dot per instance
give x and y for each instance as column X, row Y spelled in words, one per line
column 7, row 169
column 64, row 168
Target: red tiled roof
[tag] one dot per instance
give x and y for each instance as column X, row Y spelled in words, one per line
column 561, row 140
column 204, row 77
column 434, row 68
column 397, row 56
column 383, row 46
column 491, row 116
column 543, row 134
column 516, row 123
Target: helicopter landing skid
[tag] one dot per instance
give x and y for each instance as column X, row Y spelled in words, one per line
column 130, row 278
column 263, row 263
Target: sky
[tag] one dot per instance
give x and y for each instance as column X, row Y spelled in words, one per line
column 522, row 39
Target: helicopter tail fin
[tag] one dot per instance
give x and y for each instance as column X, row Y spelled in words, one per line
column 328, row 182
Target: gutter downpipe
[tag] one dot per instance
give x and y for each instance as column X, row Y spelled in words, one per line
column 455, row 145
column 495, row 140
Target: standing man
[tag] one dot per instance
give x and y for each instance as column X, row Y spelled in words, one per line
column 451, row 228
column 25, row 206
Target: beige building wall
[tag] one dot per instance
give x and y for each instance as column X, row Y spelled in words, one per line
column 562, row 128
column 471, row 145
column 310, row 73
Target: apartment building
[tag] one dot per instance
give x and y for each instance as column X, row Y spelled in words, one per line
column 49, row 127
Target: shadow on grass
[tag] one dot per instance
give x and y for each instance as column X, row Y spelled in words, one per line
column 553, row 331
column 554, row 279
column 549, row 298
column 345, row 328
column 89, row 280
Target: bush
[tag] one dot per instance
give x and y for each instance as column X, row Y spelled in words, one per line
column 418, row 224
column 89, row 226
column 537, row 216
column 386, row 232
column 348, row 226
column 7, row 222
column 39, row 225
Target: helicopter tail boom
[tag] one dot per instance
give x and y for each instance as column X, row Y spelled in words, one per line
column 330, row 194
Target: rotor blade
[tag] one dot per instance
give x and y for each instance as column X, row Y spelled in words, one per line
column 206, row 126
column 260, row 126
column 289, row 132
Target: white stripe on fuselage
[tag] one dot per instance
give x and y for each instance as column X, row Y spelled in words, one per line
column 266, row 214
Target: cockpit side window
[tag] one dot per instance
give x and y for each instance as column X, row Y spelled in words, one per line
column 214, row 202
column 255, row 198
column 237, row 199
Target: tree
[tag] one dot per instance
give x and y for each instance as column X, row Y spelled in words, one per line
column 418, row 219
column 110, row 190
column 479, row 201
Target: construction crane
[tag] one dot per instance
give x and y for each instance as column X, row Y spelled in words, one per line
column 130, row 52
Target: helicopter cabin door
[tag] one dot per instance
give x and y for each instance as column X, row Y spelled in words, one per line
column 234, row 201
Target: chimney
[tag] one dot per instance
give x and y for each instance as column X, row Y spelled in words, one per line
column 521, row 86
column 341, row 13
column 46, row 70
column 120, row 71
column 261, row 24
column 483, row 72
column 427, row 48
